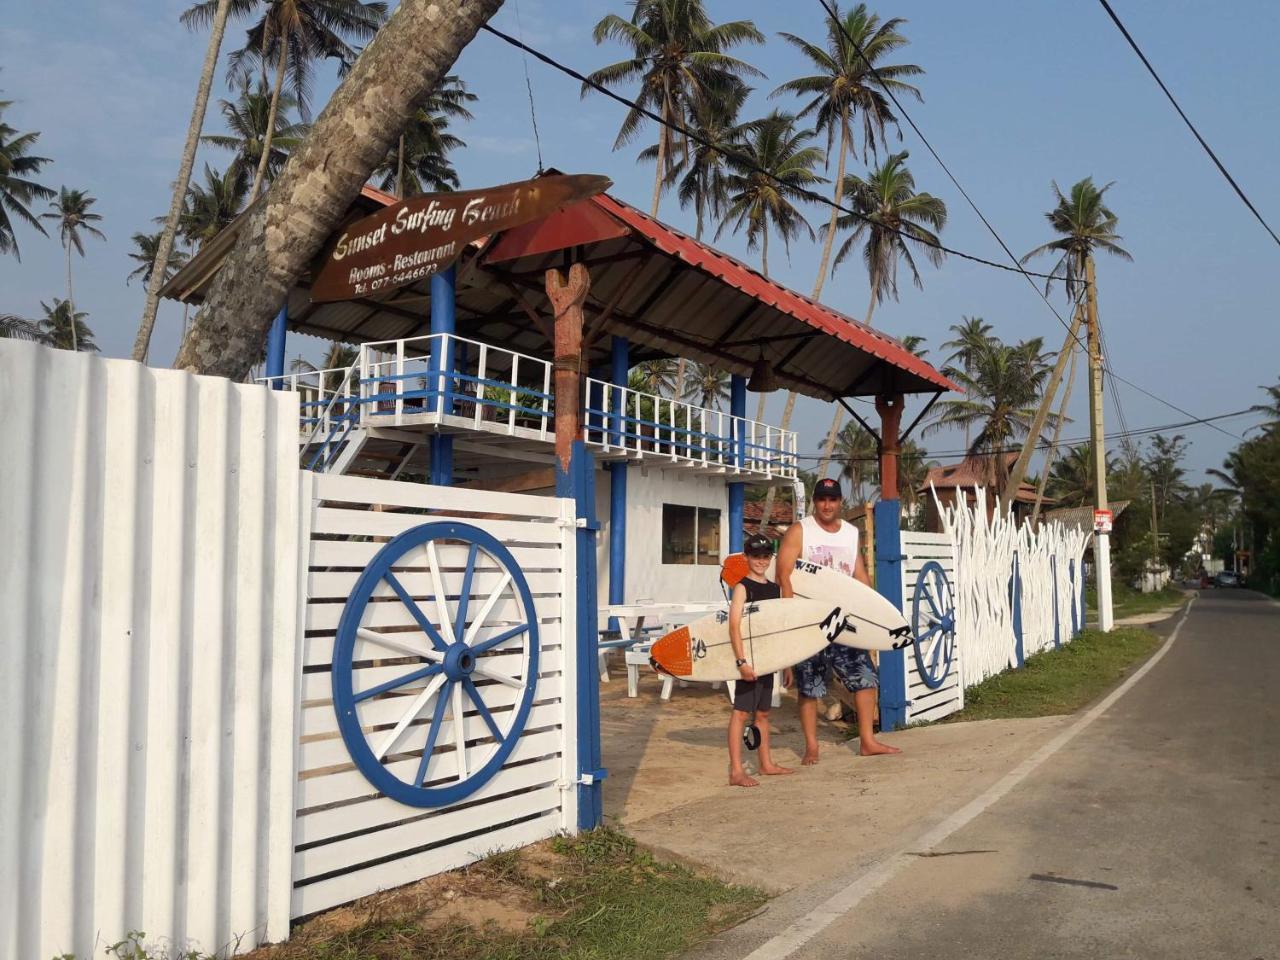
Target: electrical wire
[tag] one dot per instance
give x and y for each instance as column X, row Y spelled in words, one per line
column 1185, row 119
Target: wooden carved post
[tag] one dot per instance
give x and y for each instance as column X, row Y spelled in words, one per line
column 567, row 298
column 890, row 409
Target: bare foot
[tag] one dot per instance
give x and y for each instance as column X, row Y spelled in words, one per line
column 810, row 758
column 742, row 780
column 877, row 749
column 774, row 770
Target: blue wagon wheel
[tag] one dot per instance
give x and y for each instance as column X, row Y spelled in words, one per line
column 463, row 648
column 933, row 625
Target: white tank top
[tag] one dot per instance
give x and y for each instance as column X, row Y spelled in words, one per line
column 838, row 550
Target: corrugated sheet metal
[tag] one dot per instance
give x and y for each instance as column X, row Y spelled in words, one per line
column 149, row 584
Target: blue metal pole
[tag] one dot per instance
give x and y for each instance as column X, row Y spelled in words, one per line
column 579, row 483
column 440, row 395
column 737, row 491
column 275, row 348
column 893, row 667
column 618, row 485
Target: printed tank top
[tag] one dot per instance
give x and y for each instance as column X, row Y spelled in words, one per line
column 838, row 550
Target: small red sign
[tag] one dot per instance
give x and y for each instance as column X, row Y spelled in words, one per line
column 1102, row 521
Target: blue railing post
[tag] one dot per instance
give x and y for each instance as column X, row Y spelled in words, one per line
column 621, row 366
column 1057, row 629
column 1015, row 611
column 275, row 348
column 737, row 491
column 578, row 483
column 440, row 367
column 893, row 666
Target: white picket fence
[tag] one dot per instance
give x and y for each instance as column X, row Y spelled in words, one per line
column 1048, row 567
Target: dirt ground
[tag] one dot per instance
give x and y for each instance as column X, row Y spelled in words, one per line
column 668, row 773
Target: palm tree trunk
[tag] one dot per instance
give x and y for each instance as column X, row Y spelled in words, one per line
column 677, row 389
column 829, row 447
column 71, row 304
column 662, row 162
column 143, row 341
column 871, row 306
column 835, row 211
column 786, row 422
column 403, row 63
column 271, row 118
column 400, row 169
column 764, row 252
column 1053, row 446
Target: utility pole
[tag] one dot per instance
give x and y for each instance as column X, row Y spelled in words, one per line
column 1101, row 540
column 1155, row 538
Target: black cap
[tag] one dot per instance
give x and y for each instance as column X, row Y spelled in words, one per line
column 757, row 544
column 826, row 487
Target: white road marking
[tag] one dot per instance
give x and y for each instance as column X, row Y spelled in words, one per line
column 811, row 924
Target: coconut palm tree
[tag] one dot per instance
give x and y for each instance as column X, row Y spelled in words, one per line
column 13, row 327
column 770, row 174
column 419, row 162
column 17, row 190
column 246, row 119
column 1270, row 409
column 74, row 217
column 58, row 330
column 146, row 246
column 213, row 204
column 657, row 377
column 972, row 336
column 846, row 89
column 213, row 15
column 859, row 455
column 709, row 387
column 1071, row 479
column 1002, row 392
column 679, row 58
column 293, row 35
column 1085, row 224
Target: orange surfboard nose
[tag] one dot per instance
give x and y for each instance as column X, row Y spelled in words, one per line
column 734, row 569
column 674, row 653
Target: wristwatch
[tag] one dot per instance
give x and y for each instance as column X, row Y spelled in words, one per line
column 740, row 662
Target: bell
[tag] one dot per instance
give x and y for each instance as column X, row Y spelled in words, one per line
column 762, row 377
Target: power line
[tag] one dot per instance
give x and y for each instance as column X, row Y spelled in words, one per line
column 1185, row 119
column 741, row 158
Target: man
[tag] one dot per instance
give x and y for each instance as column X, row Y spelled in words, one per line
column 827, row 540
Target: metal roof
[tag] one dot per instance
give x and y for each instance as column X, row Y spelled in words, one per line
column 669, row 294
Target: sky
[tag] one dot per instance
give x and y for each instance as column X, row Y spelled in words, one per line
column 1016, row 95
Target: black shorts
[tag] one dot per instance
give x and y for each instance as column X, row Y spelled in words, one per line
column 752, row 696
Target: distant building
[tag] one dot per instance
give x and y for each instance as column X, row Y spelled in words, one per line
column 956, row 480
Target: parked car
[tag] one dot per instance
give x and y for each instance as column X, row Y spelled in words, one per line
column 1228, row 578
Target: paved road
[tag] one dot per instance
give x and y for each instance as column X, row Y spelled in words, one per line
column 1153, row 833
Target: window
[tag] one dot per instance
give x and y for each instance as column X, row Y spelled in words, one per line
column 690, row 535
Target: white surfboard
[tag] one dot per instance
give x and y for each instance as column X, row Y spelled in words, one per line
column 870, row 621
column 776, row 634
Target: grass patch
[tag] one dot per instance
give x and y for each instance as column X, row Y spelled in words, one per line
column 1128, row 602
column 595, row 896
column 1060, row 681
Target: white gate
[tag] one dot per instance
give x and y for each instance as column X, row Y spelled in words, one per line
column 921, row 552
column 453, row 664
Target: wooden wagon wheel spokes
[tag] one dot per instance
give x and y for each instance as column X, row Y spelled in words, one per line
column 933, row 625
column 460, row 650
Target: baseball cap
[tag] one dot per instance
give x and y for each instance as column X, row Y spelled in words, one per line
column 757, row 544
column 827, row 487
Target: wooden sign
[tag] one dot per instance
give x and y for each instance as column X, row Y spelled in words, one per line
column 423, row 235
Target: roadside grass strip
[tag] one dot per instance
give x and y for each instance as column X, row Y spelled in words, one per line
column 596, row 895
column 1128, row 602
column 1060, row 681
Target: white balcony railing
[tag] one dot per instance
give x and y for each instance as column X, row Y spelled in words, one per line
column 619, row 419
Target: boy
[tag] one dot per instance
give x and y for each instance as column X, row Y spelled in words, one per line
column 753, row 695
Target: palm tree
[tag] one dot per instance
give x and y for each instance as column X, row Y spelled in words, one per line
column 846, row 88
column 1085, row 224
column 657, row 377
column 13, row 327
column 419, row 163
column 146, row 246
column 973, row 335
column 710, row 386
column 71, row 210
column 679, row 57
column 913, row 471
column 58, row 330
column 1001, row 395
column 859, row 454
column 1270, row 409
column 17, row 190
column 213, row 205
column 215, row 16
column 890, row 213
column 1071, row 480
column 771, row 173
column 246, row 119
column 294, row 34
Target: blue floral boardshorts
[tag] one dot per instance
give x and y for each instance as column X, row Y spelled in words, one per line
column 851, row 666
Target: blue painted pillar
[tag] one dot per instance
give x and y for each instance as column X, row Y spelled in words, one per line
column 440, row 389
column 578, row 483
column 618, row 484
column 1015, row 610
column 893, row 667
column 275, row 348
column 737, row 491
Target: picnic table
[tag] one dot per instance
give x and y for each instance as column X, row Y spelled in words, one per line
column 635, row 638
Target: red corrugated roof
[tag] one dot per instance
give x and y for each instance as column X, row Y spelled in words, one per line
column 739, row 275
